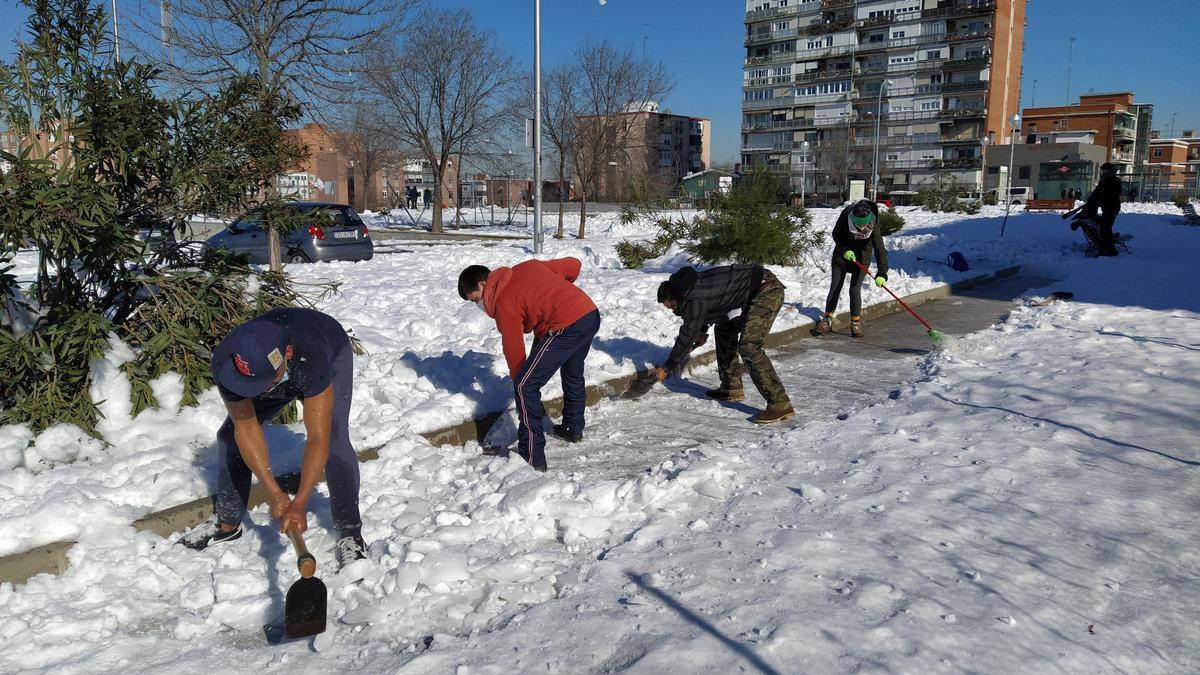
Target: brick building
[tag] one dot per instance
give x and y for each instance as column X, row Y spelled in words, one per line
column 1173, row 167
column 658, row 146
column 1117, row 124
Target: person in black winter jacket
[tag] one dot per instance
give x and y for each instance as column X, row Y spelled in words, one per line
column 855, row 235
column 740, row 302
column 1106, row 197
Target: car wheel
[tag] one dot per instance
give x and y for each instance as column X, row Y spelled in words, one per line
column 297, row 257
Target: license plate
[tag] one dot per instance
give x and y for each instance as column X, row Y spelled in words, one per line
column 352, row 234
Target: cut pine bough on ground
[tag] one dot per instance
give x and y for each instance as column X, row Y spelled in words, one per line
column 53, row 558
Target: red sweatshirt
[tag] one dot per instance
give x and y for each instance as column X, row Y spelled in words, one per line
column 536, row 296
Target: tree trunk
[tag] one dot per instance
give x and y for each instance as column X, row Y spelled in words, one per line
column 438, row 172
column 582, row 212
column 562, row 182
column 458, row 197
column 276, row 262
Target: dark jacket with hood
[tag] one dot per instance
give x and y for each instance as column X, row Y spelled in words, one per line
column 844, row 241
column 706, row 298
column 1107, row 195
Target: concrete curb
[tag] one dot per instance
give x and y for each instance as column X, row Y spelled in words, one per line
column 53, row 558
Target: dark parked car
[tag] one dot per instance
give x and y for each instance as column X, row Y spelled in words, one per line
column 327, row 232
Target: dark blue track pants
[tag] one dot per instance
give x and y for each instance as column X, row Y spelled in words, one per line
column 341, row 469
column 563, row 351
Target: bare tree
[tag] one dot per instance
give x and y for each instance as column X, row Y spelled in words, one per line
column 359, row 135
column 562, row 87
column 303, row 48
column 443, row 90
column 615, row 83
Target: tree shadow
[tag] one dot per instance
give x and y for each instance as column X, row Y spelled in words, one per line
column 1156, row 340
column 695, row 619
column 1072, row 427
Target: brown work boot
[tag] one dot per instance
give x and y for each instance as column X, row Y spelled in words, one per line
column 823, row 327
column 723, row 394
column 775, row 413
column 856, row 329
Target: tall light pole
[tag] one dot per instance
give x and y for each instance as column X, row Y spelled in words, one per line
column 537, row 127
column 983, row 143
column 875, row 165
column 803, row 173
column 116, row 33
column 1014, row 123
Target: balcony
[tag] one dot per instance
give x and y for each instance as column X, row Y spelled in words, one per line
column 961, row 113
column 904, row 116
column 824, row 52
column 967, row 63
column 777, row 125
column 959, row 87
column 1123, row 134
column 828, row 5
column 772, row 13
column 824, row 75
column 777, row 102
column 771, row 36
column 780, row 57
column 970, row 35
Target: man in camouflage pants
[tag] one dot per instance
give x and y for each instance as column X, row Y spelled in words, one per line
column 741, row 302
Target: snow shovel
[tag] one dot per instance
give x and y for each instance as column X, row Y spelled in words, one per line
column 304, row 608
column 644, row 383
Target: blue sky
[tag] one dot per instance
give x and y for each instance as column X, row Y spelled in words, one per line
column 1148, row 47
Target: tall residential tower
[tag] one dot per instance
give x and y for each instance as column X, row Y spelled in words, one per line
column 929, row 78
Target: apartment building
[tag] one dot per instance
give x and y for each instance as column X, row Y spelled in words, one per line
column 658, row 146
column 928, row 78
column 1173, row 167
column 1117, row 123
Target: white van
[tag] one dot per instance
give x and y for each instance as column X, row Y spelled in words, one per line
column 1017, row 195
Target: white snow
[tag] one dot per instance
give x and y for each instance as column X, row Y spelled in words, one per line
column 1026, row 502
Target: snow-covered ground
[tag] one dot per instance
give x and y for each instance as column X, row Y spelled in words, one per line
column 1027, row 503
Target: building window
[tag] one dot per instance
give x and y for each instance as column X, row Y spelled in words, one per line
column 993, row 170
column 935, row 78
column 893, row 157
column 781, row 25
column 935, row 54
column 1022, row 173
column 1157, row 152
column 814, row 44
column 897, row 34
column 931, row 105
column 876, row 37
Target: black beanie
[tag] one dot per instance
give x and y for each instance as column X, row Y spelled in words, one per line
column 678, row 285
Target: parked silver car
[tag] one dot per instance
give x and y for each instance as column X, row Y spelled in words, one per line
column 329, row 232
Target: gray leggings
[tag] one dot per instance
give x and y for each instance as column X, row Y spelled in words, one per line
column 341, row 470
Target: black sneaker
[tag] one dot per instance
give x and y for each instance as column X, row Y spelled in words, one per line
column 349, row 549
column 541, row 468
column 560, row 431
column 214, row 537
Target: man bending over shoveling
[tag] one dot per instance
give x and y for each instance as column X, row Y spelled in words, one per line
column 741, row 302
column 260, row 367
column 539, row 297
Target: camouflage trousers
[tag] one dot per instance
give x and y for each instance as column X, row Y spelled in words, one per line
column 744, row 337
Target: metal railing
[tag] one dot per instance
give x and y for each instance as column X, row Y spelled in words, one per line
column 779, row 101
column 775, row 125
column 770, row 36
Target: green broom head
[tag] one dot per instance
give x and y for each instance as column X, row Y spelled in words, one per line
column 935, row 337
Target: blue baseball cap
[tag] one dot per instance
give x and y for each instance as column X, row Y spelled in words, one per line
column 247, row 360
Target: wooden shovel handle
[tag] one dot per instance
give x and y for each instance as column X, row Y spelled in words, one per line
column 305, row 561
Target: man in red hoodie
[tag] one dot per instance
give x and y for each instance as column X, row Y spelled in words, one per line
column 539, row 297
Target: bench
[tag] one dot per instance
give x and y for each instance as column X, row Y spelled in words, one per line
column 1049, row 204
column 1189, row 214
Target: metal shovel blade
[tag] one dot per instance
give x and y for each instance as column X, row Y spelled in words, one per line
column 640, row 386
column 304, row 608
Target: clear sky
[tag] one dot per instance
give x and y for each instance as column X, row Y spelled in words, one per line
column 1149, row 47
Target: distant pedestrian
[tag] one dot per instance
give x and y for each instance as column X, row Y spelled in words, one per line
column 1103, row 205
column 428, row 197
column 1064, row 194
column 855, row 234
column 740, row 302
column 539, row 297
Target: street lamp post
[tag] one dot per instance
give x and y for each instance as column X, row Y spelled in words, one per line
column 983, row 143
column 803, row 168
column 1014, row 123
column 875, row 164
column 537, row 127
